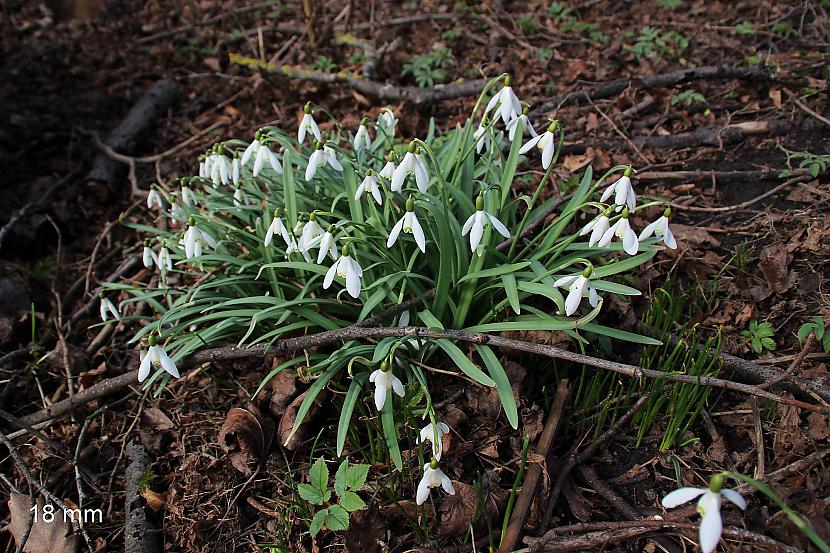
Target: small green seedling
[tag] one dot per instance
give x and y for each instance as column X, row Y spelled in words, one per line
column 688, row 97
column 760, row 336
column 347, row 481
column 817, row 326
column 324, row 64
column 815, row 163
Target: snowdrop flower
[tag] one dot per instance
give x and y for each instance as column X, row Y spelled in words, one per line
column 477, row 222
column 484, row 140
column 264, row 154
column 545, row 142
column 384, row 379
column 195, row 239
column 328, row 245
column 433, row 478
column 189, row 197
column 346, row 268
column 294, row 248
column 412, row 163
column 163, row 260
column 410, row 225
column 240, row 198
column 578, row 287
column 277, row 227
column 321, row 157
column 369, row 186
column 203, row 167
column 220, row 169
column 107, row 307
column 387, row 120
column 506, row 101
column 660, row 228
column 622, row 191
column 311, row 231
column 389, row 169
column 154, row 198
column 361, row 137
column 236, row 167
column 432, row 433
column 307, row 124
column 526, row 125
column 156, row 356
column 148, row 257
column 708, row 506
column 177, row 212
column 621, row 229
column 596, row 227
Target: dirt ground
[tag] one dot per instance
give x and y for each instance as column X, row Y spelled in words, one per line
column 755, row 246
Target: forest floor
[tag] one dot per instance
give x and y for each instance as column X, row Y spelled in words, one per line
column 754, row 249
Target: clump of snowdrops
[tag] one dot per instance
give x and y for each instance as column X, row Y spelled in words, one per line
column 303, row 230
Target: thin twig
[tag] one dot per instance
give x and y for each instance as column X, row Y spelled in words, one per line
column 804, row 107
column 743, row 205
column 794, row 366
column 574, row 459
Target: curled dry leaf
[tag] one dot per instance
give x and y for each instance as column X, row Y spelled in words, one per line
column 457, row 511
column 55, row 536
column 157, row 430
column 248, row 435
column 283, row 390
column 290, row 416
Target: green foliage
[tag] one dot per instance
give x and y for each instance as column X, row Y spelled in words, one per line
column 357, row 57
column 817, row 326
column 688, row 97
column 744, row 256
column 452, row 34
column 348, row 480
column 429, row 68
column 760, row 336
column 558, row 10
column 652, row 40
column 544, row 54
column 753, row 60
column 324, row 64
column 815, row 163
column 745, row 28
column 528, row 24
column 670, row 4
column 784, row 29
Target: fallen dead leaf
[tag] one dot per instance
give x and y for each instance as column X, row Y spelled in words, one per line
column 157, row 430
column 774, row 263
column 156, row 501
column 248, row 435
column 290, row 416
column 283, row 390
column 55, row 536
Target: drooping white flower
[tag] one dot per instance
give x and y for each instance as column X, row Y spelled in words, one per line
column 578, row 287
column 483, row 137
column 321, row 157
column 506, row 102
column 236, row 167
column 433, row 478
column 307, row 124
column 526, row 126
column 108, row 307
column 597, row 228
column 156, row 356
column 389, row 169
column 387, row 120
column 240, row 198
column 148, row 257
column 294, row 248
column 154, row 198
column 622, row 191
column 412, row 162
column 195, row 239
column 163, row 260
column 220, row 169
column 277, row 227
column 660, row 228
column 328, row 245
column 361, row 138
column 311, row 231
column 621, row 229
column 711, row 526
column 251, row 150
column 189, row 197
column 346, row 268
column 478, row 221
column 432, row 433
column 204, row 169
column 369, row 186
column 177, row 212
column 408, row 224
column 545, row 142
column 384, row 380
column 263, row 155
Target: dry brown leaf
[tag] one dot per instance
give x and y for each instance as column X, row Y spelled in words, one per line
column 283, row 390
column 774, row 263
column 290, row 416
column 248, row 435
column 156, row 501
column 156, row 430
column 55, row 536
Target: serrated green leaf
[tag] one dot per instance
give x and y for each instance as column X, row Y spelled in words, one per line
column 356, row 476
column 313, row 495
column 319, row 474
column 318, row 521
column 337, row 519
column 351, row 501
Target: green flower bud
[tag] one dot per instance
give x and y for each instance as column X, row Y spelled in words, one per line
column 628, row 171
column 526, row 109
column 312, row 216
column 344, row 250
column 318, row 145
column 101, row 294
column 716, row 483
column 369, row 172
column 307, row 107
column 410, row 204
column 151, row 340
column 625, row 212
column 390, row 156
column 553, row 125
column 330, row 229
column 191, row 221
column 480, row 202
column 384, row 366
column 667, row 212
column 508, row 80
column 433, row 464
column 412, row 147
column 587, row 271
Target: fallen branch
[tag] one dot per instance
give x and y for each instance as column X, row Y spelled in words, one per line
column 574, row 459
column 382, row 91
column 517, row 519
column 356, row 332
column 140, row 535
column 743, row 205
column 662, row 80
